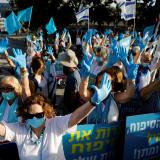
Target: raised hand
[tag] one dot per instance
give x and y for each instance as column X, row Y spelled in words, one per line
column 103, row 91
column 112, row 58
column 132, row 71
column 123, row 56
column 19, row 58
column 4, row 43
column 50, row 50
column 86, row 65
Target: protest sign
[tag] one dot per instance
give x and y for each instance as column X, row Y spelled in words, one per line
column 97, row 142
column 142, row 137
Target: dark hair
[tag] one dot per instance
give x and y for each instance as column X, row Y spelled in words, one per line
column 113, row 71
column 36, row 63
column 37, row 98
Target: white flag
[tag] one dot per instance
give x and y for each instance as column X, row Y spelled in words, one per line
column 83, row 15
column 128, row 10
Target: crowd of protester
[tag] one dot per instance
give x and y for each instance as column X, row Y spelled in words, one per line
column 103, row 83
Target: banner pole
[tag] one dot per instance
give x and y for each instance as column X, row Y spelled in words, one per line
column 134, row 25
column 88, row 18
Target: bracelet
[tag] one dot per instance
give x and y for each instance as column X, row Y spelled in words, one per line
column 24, row 75
column 92, row 103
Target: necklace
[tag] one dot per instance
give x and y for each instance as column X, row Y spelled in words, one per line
column 37, row 141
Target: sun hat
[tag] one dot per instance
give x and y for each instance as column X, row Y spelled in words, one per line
column 68, row 58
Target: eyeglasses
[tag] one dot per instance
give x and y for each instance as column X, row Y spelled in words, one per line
column 9, row 89
column 37, row 115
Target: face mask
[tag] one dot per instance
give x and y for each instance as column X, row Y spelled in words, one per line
column 116, row 37
column 99, row 59
column 45, row 58
column 145, row 64
column 8, row 96
column 35, row 122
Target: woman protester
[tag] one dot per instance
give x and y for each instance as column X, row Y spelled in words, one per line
column 12, row 92
column 39, row 134
column 43, row 77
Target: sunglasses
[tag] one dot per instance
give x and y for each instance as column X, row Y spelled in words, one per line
column 7, row 89
column 37, row 115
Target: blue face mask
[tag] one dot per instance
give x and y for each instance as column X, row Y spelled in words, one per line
column 45, row 58
column 35, row 122
column 99, row 59
column 8, row 95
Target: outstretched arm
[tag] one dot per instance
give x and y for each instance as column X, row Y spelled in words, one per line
column 147, row 91
column 99, row 95
column 85, row 93
column 2, row 130
column 20, row 60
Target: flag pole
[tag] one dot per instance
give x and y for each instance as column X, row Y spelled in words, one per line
column 88, row 18
column 134, row 25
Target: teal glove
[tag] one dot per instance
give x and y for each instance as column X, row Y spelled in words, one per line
column 19, row 58
column 38, row 47
column 101, row 93
column 123, row 56
column 132, row 71
column 45, row 47
column 4, row 43
column 112, row 59
column 50, row 50
column 86, row 66
column 68, row 35
column 57, row 35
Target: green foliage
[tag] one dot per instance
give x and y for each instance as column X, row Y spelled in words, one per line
column 101, row 12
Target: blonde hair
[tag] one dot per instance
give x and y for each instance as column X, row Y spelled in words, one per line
column 14, row 82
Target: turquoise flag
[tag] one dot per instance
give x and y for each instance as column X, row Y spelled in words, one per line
column 12, row 24
column 126, row 42
column 50, row 27
column 149, row 29
column 25, row 15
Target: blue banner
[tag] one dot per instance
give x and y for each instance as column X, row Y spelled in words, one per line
column 25, row 15
column 96, row 142
column 12, row 24
column 142, row 137
column 50, row 27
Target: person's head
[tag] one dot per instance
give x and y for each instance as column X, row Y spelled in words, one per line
column 30, row 51
column 116, row 76
column 10, row 88
column 35, row 109
column 146, row 58
column 37, row 65
column 101, row 53
column 69, row 61
column 61, row 43
column 33, row 37
column 136, row 51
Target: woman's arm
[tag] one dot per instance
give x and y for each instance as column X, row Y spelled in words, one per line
column 10, row 62
column 25, row 83
column 2, row 130
column 147, row 91
column 99, row 95
column 84, row 92
column 79, row 114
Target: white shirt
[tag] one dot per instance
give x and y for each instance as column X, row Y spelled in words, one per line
column 113, row 113
column 5, row 116
column 78, row 41
column 50, row 148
